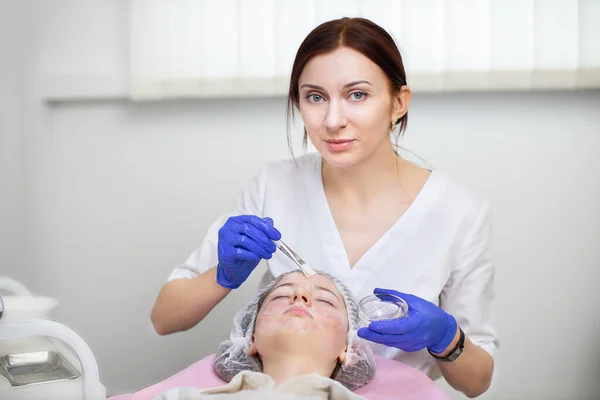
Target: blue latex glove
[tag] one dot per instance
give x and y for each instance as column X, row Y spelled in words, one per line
column 425, row 326
column 244, row 240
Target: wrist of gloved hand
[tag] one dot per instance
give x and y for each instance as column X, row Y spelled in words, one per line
column 447, row 337
column 224, row 281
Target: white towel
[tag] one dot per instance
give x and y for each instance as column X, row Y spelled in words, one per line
column 249, row 385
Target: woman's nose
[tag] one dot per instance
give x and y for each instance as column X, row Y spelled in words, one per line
column 335, row 119
column 301, row 295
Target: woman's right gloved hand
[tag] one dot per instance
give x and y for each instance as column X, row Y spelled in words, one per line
column 244, row 240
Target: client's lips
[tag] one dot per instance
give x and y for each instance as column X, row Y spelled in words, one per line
column 298, row 310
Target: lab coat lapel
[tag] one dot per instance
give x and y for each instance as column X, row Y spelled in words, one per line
column 326, row 237
column 380, row 253
column 397, row 239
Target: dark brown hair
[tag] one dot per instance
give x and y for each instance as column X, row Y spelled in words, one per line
column 359, row 34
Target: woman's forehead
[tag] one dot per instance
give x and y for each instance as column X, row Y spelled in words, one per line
column 340, row 67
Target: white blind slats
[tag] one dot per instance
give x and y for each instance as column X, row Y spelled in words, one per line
column 147, row 55
column 423, row 35
column 387, row 13
column 512, row 34
column 186, row 59
column 258, row 57
column 206, row 48
column 467, row 44
column 512, row 44
column 220, row 38
column 556, row 43
column 556, row 34
column 295, row 19
column 589, row 33
column 333, row 9
column 589, row 46
column 467, row 35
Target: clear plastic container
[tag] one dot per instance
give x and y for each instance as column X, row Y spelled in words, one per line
column 378, row 307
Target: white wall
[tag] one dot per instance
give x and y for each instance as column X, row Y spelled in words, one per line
column 9, row 138
column 125, row 191
column 14, row 44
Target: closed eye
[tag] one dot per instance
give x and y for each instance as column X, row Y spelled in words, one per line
column 327, row 301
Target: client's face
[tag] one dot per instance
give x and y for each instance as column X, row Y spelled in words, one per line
column 306, row 313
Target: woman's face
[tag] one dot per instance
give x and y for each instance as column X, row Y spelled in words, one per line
column 303, row 312
column 347, row 106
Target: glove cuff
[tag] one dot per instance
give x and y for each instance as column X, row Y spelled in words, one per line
column 447, row 337
column 223, row 281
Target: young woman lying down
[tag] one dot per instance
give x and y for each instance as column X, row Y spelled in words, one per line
column 295, row 339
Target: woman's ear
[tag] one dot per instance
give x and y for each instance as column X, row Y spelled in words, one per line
column 252, row 350
column 342, row 358
column 400, row 103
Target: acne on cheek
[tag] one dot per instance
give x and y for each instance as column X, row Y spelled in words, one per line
column 271, row 319
column 330, row 317
column 270, row 323
column 326, row 318
column 331, row 321
column 271, row 310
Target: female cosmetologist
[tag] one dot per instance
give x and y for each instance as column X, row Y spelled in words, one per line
column 359, row 211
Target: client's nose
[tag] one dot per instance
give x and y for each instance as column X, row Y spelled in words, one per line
column 302, row 295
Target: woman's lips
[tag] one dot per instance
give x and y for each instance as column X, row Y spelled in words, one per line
column 298, row 311
column 338, row 145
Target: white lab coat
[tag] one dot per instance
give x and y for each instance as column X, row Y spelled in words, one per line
column 439, row 249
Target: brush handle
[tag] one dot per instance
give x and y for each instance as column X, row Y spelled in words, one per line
column 289, row 252
column 285, row 249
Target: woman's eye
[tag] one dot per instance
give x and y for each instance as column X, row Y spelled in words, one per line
column 281, row 297
column 315, row 98
column 327, row 301
column 358, row 95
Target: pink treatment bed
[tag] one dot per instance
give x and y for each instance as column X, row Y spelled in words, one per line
column 393, row 380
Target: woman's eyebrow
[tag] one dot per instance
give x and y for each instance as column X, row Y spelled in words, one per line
column 310, row 85
column 282, row 285
column 347, row 85
column 354, row 83
column 327, row 290
column 317, row 286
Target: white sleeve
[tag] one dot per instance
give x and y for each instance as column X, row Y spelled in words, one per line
column 250, row 201
column 469, row 293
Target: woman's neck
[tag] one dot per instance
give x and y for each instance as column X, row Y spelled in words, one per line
column 376, row 174
column 287, row 366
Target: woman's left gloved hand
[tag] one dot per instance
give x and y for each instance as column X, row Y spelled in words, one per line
column 425, row 326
